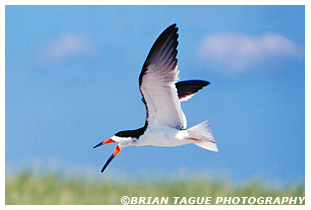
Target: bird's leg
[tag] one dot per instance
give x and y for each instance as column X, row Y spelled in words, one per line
column 193, row 139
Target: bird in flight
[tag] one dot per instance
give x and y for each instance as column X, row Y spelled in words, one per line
column 165, row 123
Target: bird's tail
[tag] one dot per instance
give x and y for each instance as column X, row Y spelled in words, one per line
column 203, row 135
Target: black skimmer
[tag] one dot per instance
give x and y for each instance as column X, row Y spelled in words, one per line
column 165, row 123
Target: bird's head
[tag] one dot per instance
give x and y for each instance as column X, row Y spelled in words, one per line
column 123, row 139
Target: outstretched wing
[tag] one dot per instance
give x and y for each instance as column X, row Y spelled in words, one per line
column 186, row 89
column 157, row 82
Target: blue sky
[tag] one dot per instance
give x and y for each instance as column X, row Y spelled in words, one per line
column 72, row 81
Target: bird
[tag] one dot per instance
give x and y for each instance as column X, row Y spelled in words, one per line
column 165, row 123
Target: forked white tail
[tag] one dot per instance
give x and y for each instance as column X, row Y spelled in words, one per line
column 203, row 134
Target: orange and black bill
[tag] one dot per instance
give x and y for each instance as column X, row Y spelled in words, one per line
column 116, row 151
column 104, row 142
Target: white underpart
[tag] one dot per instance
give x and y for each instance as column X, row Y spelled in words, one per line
column 164, row 136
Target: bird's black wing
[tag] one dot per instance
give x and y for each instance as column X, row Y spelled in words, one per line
column 157, row 82
column 186, row 89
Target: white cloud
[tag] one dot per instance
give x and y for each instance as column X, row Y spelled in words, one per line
column 64, row 47
column 236, row 53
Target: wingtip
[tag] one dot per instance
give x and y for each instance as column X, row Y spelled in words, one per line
column 173, row 27
column 203, row 83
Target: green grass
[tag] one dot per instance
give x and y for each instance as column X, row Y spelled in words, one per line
column 53, row 188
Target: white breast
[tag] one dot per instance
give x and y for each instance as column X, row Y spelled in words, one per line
column 164, row 136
